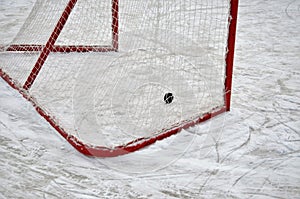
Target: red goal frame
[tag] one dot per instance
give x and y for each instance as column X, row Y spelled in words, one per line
column 100, row 151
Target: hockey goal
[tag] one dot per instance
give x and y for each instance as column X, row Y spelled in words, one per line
column 114, row 76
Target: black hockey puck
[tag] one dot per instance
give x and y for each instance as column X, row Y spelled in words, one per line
column 168, row 98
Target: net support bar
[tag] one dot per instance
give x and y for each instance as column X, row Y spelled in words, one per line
column 49, row 45
column 115, row 24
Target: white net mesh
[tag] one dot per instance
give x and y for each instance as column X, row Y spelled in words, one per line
column 110, row 97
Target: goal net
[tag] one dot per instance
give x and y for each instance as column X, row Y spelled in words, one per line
column 114, row 76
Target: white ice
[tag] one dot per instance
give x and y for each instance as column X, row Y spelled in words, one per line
column 251, row 152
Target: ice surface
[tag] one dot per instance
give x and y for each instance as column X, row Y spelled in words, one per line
column 251, row 152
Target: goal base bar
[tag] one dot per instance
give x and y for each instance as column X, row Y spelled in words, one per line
column 59, row 48
column 100, row 151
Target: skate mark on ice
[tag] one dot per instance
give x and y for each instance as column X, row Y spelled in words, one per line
column 289, row 7
column 239, row 147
